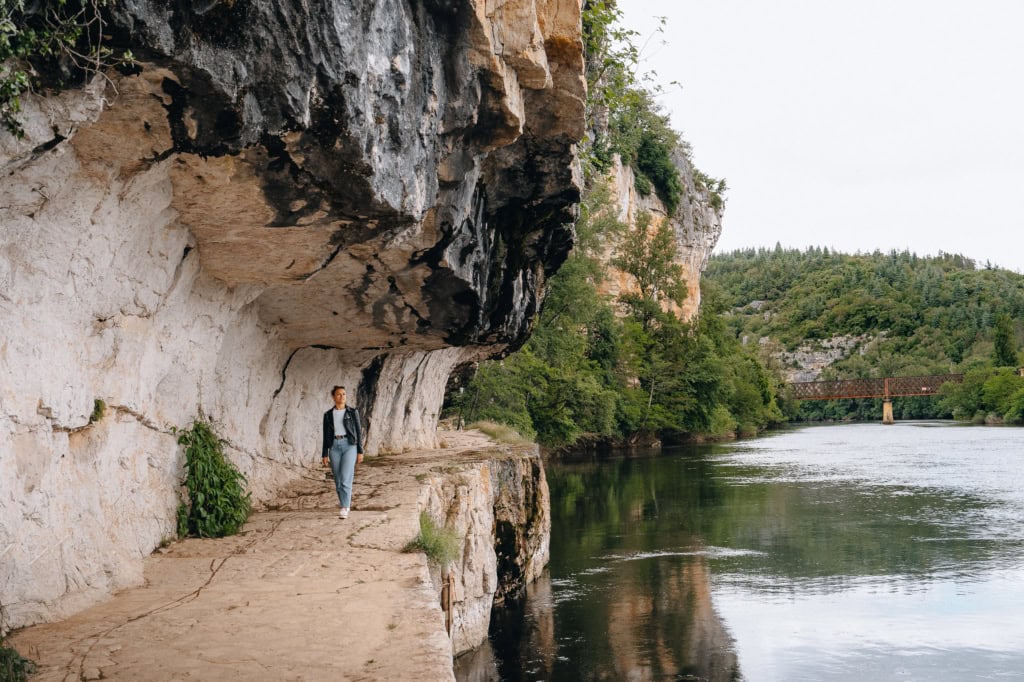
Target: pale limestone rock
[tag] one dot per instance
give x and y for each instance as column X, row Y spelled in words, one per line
column 276, row 600
column 809, row 359
column 247, row 222
column 501, row 509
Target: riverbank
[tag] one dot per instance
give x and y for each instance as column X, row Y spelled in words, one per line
column 302, row 595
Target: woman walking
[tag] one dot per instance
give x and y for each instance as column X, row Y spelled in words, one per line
column 343, row 446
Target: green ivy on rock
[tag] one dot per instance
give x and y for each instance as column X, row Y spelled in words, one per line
column 218, row 503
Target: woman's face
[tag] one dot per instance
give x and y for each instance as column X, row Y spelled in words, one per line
column 339, row 396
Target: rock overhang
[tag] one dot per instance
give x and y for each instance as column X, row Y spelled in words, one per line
column 246, row 219
column 392, row 175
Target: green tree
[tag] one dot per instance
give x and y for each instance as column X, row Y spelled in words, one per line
column 930, row 315
column 596, row 368
column 1004, row 353
column 649, row 254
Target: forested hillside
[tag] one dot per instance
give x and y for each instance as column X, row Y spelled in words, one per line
column 916, row 315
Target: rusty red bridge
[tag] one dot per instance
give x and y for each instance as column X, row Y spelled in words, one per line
column 886, row 388
column 889, row 387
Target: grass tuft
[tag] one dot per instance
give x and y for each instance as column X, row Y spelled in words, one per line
column 99, row 408
column 500, row 432
column 441, row 545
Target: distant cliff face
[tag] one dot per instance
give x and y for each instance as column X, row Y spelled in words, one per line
column 286, row 196
column 696, row 223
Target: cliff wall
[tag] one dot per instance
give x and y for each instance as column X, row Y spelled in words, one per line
column 283, row 196
column 501, row 508
column 696, row 223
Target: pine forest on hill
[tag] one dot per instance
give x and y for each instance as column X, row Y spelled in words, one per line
column 912, row 315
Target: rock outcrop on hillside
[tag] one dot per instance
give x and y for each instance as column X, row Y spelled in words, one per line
column 283, row 197
column 696, row 223
column 807, row 361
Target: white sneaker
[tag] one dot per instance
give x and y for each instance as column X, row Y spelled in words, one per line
column 343, row 514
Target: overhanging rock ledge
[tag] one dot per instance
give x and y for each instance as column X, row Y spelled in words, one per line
column 284, row 196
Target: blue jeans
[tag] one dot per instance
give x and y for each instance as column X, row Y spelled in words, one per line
column 343, row 466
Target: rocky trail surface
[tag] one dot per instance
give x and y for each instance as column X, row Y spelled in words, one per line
column 299, row 594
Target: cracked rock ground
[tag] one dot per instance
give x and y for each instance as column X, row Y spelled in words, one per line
column 297, row 595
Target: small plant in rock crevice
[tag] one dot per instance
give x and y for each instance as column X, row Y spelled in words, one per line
column 99, row 409
column 218, row 503
column 442, row 545
column 13, row 666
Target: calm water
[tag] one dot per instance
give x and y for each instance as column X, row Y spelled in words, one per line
column 852, row 552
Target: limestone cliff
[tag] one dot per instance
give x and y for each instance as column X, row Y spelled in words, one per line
column 696, row 223
column 500, row 507
column 284, row 196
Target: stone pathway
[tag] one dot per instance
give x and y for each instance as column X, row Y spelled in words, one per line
column 297, row 595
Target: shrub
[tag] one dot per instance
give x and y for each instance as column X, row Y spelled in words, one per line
column 217, row 504
column 723, row 424
column 441, row 545
column 1015, row 408
column 13, row 666
column 654, row 160
column 44, row 44
column 642, row 184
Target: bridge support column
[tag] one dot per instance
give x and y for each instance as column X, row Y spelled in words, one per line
column 887, row 412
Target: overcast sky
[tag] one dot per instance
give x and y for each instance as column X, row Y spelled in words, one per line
column 854, row 125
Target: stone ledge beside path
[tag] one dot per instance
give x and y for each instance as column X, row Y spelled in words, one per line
column 299, row 594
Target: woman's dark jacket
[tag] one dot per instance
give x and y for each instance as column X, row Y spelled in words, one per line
column 352, row 431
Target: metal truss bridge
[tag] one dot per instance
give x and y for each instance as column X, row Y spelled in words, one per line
column 887, row 388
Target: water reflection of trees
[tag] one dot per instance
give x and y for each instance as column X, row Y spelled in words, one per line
column 622, row 616
column 794, row 528
column 636, row 543
column 631, row 633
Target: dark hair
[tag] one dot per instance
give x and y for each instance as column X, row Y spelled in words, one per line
column 335, row 390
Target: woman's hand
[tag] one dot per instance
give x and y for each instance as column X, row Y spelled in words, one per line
column 359, row 458
column 327, row 462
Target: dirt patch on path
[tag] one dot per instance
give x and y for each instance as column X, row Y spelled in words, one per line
column 299, row 594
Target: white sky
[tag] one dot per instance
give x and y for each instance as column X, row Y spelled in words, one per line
column 854, row 125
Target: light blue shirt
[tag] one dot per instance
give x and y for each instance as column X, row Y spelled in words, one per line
column 339, row 422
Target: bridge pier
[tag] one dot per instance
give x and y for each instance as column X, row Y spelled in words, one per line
column 887, row 417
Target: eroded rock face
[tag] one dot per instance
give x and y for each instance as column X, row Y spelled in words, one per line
column 810, row 358
column 501, row 509
column 398, row 168
column 287, row 196
column 696, row 222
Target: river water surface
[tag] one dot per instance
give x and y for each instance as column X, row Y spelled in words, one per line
column 849, row 552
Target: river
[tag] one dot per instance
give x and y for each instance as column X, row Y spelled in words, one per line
column 840, row 552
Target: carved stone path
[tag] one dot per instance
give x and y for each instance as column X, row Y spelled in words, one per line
column 298, row 595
